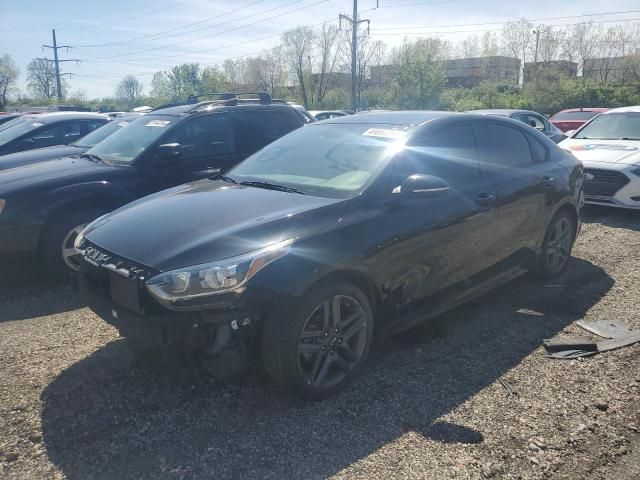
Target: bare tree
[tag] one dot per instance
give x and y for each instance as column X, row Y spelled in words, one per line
column 9, row 73
column 470, row 47
column 489, row 45
column 129, row 91
column 297, row 47
column 325, row 56
column 41, row 79
column 267, row 71
column 235, row 71
column 516, row 39
column 581, row 43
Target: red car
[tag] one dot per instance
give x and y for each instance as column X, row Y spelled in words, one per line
column 574, row 118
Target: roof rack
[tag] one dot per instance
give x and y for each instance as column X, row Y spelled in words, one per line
column 225, row 99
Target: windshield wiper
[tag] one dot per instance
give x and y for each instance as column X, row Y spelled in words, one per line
column 271, row 186
column 93, row 157
column 226, row 179
column 629, row 138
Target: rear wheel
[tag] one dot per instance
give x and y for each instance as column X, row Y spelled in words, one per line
column 318, row 348
column 57, row 250
column 557, row 245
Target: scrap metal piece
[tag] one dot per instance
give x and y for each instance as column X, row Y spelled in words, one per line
column 562, row 344
column 571, row 354
column 605, row 328
column 511, row 390
column 619, row 342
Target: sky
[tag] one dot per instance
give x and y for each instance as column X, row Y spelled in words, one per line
column 110, row 39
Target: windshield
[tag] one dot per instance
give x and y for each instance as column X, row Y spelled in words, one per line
column 578, row 116
column 612, row 126
column 101, row 133
column 334, row 160
column 126, row 144
column 17, row 129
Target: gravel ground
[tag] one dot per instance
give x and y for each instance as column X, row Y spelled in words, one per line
column 429, row 405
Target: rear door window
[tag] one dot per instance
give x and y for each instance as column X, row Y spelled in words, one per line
column 256, row 128
column 204, row 136
column 504, row 146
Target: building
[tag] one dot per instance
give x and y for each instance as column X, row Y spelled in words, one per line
column 470, row 72
column 462, row 72
column 613, row 69
column 549, row 71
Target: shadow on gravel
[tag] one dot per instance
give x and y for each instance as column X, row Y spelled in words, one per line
column 104, row 419
column 612, row 217
column 22, row 276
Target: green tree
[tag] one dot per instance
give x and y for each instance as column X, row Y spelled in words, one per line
column 419, row 75
column 9, row 73
column 129, row 92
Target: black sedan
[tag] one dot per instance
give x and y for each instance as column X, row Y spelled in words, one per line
column 62, row 151
column 47, row 129
column 533, row 119
column 348, row 230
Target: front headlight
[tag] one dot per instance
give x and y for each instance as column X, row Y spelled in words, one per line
column 2, row 204
column 176, row 289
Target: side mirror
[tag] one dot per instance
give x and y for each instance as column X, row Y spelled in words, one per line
column 422, row 186
column 169, row 152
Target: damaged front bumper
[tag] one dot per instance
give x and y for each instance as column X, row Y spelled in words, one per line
column 125, row 304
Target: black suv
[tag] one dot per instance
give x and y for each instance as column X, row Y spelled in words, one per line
column 45, row 205
column 343, row 230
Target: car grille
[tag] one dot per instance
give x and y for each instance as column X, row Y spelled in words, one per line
column 605, row 183
column 98, row 257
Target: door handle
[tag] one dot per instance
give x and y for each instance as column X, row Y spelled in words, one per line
column 547, row 181
column 485, row 198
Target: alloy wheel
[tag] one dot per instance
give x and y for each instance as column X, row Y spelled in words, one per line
column 559, row 244
column 332, row 341
column 69, row 254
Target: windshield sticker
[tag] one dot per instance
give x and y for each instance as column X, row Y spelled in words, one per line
column 384, row 133
column 37, row 124
column 123, row 124
column 158, row 123
column 602, row 146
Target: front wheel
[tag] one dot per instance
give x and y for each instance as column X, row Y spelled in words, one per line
column 557, row 245
column 317, row 349
column 57, row 249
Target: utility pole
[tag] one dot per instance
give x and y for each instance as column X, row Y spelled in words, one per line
column 354, row 50
column 57, row 61
column 535, row 55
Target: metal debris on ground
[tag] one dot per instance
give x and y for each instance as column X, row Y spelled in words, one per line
column 617, row 333
column 511, row 390
column 605, row 328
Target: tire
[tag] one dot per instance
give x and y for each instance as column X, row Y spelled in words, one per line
column 555, row 255
column 62, row 230
column 301, row 349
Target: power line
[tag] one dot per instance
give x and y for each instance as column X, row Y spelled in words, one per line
column 95, row 59
column 510, row 21
column 445, row 32
column 162, row 47
column 161, row 35
column 177, row 4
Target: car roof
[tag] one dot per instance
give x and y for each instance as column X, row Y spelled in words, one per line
column 503, row 112
column 179, row 110
column 407, row 118
column 57, row 116
column 584, row 109
column 634, row 108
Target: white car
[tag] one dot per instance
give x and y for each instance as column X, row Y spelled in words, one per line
column 609, row 147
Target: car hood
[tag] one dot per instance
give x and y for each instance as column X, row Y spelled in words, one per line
column 57, row 172
column 38, row 155
column 209, row 220
column 626, row 152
